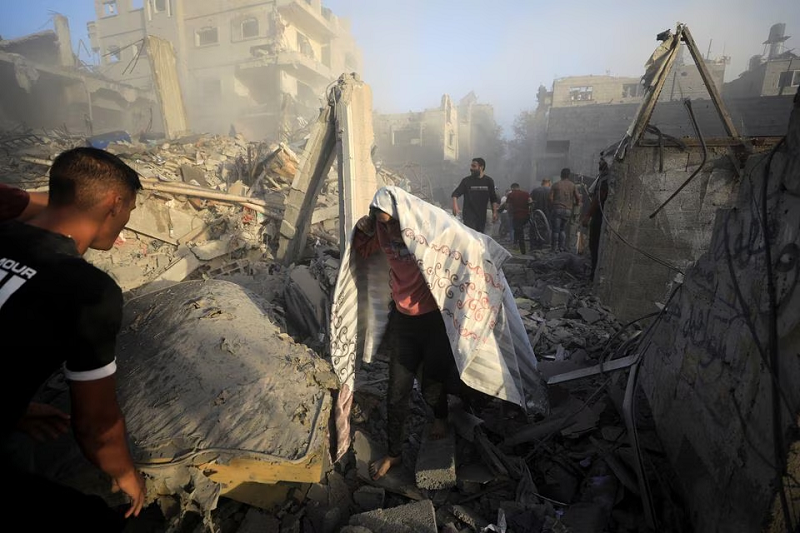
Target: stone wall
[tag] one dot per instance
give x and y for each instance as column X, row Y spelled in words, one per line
column 706, row 372
column 629, row 281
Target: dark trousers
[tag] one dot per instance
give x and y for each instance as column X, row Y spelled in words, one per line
column 419, row 341
column 475, row 223
column 44, row 505
column 519, row 234
column 561, row 228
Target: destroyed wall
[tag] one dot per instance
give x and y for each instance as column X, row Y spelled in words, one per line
column 707, row 372
column 628, row 281
column 576, row 135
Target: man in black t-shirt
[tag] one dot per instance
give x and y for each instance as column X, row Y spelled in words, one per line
column 478, row 191
column 57, row 310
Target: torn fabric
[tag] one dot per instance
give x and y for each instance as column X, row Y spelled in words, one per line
column 463, row 269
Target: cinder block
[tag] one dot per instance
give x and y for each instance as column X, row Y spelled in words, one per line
column 417, row 517
column 555, row 296
column 436, row 462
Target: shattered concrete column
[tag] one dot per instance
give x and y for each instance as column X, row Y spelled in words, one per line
column 168, row 87
column 358, row 180
column 65, row 56
column 302, row 198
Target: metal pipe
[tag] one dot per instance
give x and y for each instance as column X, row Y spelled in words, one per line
column 688, row 104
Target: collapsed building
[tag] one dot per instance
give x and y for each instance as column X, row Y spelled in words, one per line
column 257, row 68
column 433, row 148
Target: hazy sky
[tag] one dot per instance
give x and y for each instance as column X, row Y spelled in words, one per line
column 416, row 50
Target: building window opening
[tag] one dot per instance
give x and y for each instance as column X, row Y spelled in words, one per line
column 304, row 46
column 580, row 94
column 109, row 8
column 789, row 78
column 250, row 28
column 207, row 36
column 631, row 90
column 159, row 6
column 113, row 54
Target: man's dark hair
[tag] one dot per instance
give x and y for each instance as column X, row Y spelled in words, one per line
column 546, row 180
column 565, row 172
column 480, row 162
column 80, row 176
column 515, row 185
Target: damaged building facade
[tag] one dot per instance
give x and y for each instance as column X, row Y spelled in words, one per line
column 258, row 68
column 44, row 86
column 433, row 148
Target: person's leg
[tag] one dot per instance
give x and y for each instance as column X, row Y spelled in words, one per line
column 404, row 361
column 556, row 230
column 439, row 371
column 519, row 232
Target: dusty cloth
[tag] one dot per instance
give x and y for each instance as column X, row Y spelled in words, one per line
column 463, row 269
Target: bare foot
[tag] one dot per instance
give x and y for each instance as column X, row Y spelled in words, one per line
column 379, row 468
column 438, row 429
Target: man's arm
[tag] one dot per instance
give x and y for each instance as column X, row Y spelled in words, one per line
column 100, row 431
column 365, row 241
column 494, row 200
column 458, row 192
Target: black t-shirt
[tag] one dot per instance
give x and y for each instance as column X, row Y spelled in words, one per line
column 478, row 193
column 55, row 308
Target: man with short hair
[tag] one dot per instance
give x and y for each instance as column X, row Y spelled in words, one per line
column 57, row 310
column 478, row 192
column 540, row 200
column 519, row 207
column 563, row 197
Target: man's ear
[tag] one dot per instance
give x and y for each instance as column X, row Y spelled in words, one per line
column 116, row 205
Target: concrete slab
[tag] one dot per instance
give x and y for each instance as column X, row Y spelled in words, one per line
column 417, row 517
column 555, row 296
column 436, row 462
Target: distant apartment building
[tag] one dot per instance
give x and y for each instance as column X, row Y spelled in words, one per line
column 582, row 115
column 775, row 73
column 258, row 67
column 432, row 148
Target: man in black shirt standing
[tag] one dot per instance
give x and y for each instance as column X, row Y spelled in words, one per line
column 478, row 191
column 58, row 310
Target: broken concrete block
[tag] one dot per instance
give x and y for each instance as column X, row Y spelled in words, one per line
column 475, row 521
column 556, row 313
column 590, row 316
column 417, row 517
column 369, row 498
column 318, row 493
column 436, row 462
column 555, row 296
column 355, row 529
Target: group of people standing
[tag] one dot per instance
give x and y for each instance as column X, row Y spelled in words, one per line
column 561, row 203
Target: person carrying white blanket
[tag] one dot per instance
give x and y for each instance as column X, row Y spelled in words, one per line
column 467, row 293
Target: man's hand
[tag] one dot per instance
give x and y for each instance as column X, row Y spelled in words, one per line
column 134, row 486
column 42, row 421
column 494, row 216
column 366, row 225
column 456, row 212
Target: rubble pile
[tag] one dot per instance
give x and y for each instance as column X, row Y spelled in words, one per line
column 211, row 209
